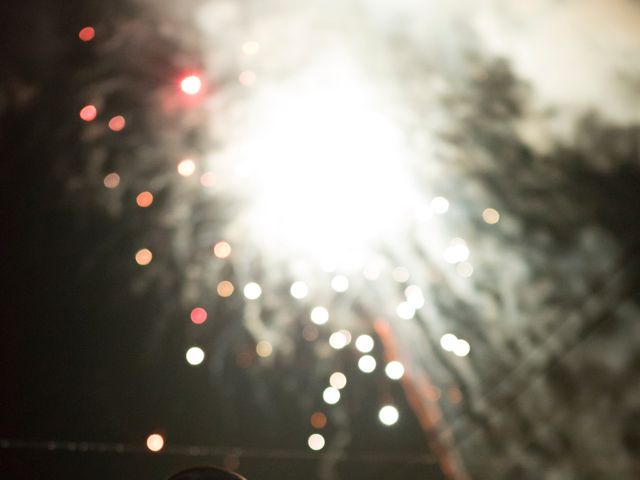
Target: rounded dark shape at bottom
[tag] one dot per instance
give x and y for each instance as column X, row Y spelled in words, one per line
column 206, row 473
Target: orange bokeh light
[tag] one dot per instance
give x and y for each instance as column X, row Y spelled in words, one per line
column 225, row 288
column 144, row 257
column 318, row 420
column 117, row 123
column 87, row 34
column 88, row 113
column 144, row 199
column 222, row 250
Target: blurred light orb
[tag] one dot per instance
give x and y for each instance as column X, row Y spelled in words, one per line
column 340, row 283
column 388, row 415
column 310, row 333
column 319, row 315
column 439, row 205
column 111, row 180
column 252, row 291
column 207, row 179
column 331, row 395
column 491, row 216
column 117, row 123
column 195, row 356
column 316, row 442
column 367, row 363
column 186, row 167
column 457, row 251
column 462, row 348
column 364, row 343
column 400, row 274
column 338, row 380
column 299, row 290
column 225, row 288
column 338, row 340
column 144, row 199
column 394, row 370
column 144, row 256
column 318, row 420
column 250, row 47
column 247, row 78
column 464, row 269
column 264, row 348
column 87, row 34
column 405, row 310
column 191, row 84
column 155, row 442
column 414, row 296
column 222, row 249
column 88, row 113
column 448, row 342
column 198, row 315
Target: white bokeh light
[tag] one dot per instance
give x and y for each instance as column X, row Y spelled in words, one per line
column 388, row 415
column 331, row 395
column 394, row 370
column 340, row 283
column 448, row 342
column 338, row 380
column 319, row 315
column 338, row 340
column 316, row 441
column 367, row 363
column 405, row 310
column 252, row 291
column 462, row 348
column 364, row 343
column 195, row 356
column 299, row 290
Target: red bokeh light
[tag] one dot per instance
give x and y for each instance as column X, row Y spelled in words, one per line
column 198, row 315
column 87, row 34
column 191, row 84
column 88, row 113
column 117, row 123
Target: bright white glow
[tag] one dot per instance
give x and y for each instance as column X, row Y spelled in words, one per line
column 338, row 340
column 414, row 296
column 338, row 380
column 327, row 169
column 367, row 363
column 405, row 310
column 448, row 342
column 299, row 290
column 457, row 251
column 388, row 415
column 364, row 343
column 319, row 315
column 316, row 441
column 462, row 348
column 347, row 335
column 195, row 356
column 439, row 205
column 340, row 283
column 155, row 442
column 394, row 370
column 331, row 395
column 252, row 291
column 191, row 85
column 186, row 167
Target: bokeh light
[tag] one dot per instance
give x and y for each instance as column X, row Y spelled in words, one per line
column 111, row 180
column 144, row 256
column 405, row 310
column 117, row 123
column 439, row 205
column 225, row 288
column 186, row 167
column 222, row 249
column 457, row 251
column 252, row 291
column 191, row 84
column 319, row 315
column 144, row 199
column 414, row 296
column 340, row 283
column 338, row 380
column 364, row 343
column 87, row 34
column 448, row 342
column 388, row 415
column 394, row 370
column 195, row 356
column 264, row 348
column 88, row 113
column 299, row 290
column 338, row 340
column 331, row 395
column 198, row 315
column 491, row 216
column 318, row 420
column 155, row 442
column 367, row 363
column 316, row 441
column 462, row 348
